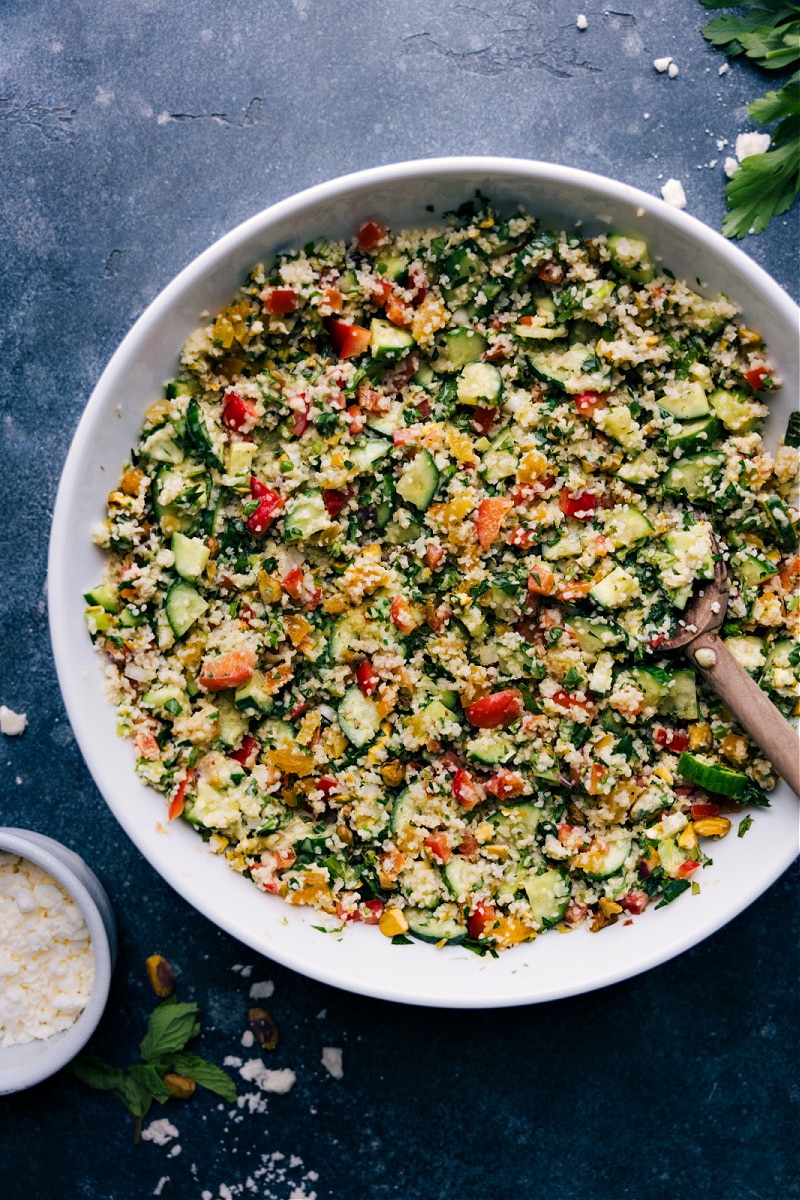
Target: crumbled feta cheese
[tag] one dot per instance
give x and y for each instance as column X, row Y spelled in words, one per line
column 748, row 144
column 263, row 990
column 661, row 64
column 332, row 1061
column 672, row 70
column 730, row 166
column 161, row 1132
column 280, row 1082
column 723, row 69
column 46, row 959
column 12, row 724
column 673, row 193
column 581, row 21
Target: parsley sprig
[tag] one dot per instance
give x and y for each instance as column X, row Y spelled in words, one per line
column 163, row 1051
column 765, row 185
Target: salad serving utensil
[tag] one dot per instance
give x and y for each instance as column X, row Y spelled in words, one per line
column 752, row 708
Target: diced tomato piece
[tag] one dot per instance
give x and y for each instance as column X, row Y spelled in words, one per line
column 575, row 913
column 541, row 580
column 279, row 300
column 687, row 868
column 483, row 419
column 300, row 418
column 239, row 413
column 347, row 339
column 373, row 911
column 402, row 437
column 335, row 500
column 522, row 538
column 481, row 919
column 333, row 299
column 269, row 505
column 424, row 408
column 491, row 513
column 367, row 677
column 550, row 272
column 465, row 789
column 758, row 377
column 301, row 588
column 672, row 739
column 347, row 914
column 357, row 419
column 581, row 506
column 497, row 709
column 327, row 785
column 402, row 614
column 247, row 751
column 438, row 847
column 434, row 554
column 298, row 708
column 370, row 235
column 634, row 902
column 178, row 801
column 231, row 669
column 566, row 700
column 700, row 812
column 398, row 312
column 505, row 783
column 380, row 291
column 588, row 403
column 258, row 489
column 597, row 773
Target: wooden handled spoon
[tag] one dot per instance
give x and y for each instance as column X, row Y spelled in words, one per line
column 752, row 708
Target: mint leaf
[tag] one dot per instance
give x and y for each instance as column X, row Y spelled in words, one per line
column 148, row 1077
column 170, row 1027
column 134, row 1092
column 205, row 1073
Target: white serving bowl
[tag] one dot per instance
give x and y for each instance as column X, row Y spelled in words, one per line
column 362, row 960
column 24, row 1065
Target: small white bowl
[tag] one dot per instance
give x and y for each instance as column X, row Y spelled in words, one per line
column 360, row 960
column 24, row 1065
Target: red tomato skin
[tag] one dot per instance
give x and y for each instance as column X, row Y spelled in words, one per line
column 565, row 700
column 371, row 234
column 496, row 710
column 279, row 300
column 335, row 501
column 374, row 911
column 491, row 513
column 238, row 413
column 347, row 339
column 248, row 748
column 178, row 801
column 758, row 377
column 687, row 868
column 701, row 812
column 481, row 916
column 268, row 507
column 505, row 783
column 588, row 403
column 465, row 789
column 483, row 419
column 438, row 847
column 581, row 506
column 367, row 677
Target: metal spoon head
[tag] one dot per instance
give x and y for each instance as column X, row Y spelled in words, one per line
column 706, row 612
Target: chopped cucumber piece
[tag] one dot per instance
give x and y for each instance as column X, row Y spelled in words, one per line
column 640, row 471
column 253, row 696
column 306, row 515
column 490, row 748
column 781, row 522
column 616, row 589
column 631, row 257
column 737, row 411
column 501, row 459
column 364, row 454
column 626, row 526
column 462, row 878
column 548, row 895
column 595, row 636
column 753, row 570
column 693, row 436
column 103, row 597
column 601, row 864
column 680, row 699
column 233, row 724
column 183, row 605
column 712, row 776
column 197, row 432
column 461, row 346
column 576, row 369
column 685, row 399
column 388, row 342
column 480, row 383
column 653, row 683
column 167, row 700
column 358, row 717
column 191, row 556
column 696, row 477
column 540, row 333
column 430, row 928
column 418, row 481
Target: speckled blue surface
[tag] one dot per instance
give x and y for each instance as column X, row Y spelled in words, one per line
column 132, row 135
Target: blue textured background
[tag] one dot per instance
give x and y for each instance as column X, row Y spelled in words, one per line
column 131, row 136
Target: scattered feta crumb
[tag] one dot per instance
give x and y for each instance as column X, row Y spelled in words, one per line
column 730, row 166
column 723, row 69
column 12, row 724
column 661, row 64
column 175, row 1151
column 262, row 991
column 751, row 143
column 157, row 1190
column 280, row 1082
column 722, row 143
column 248, row 1038
column 322, row 1014
column 672, row 191
column 161, row 1132
column 231, row 1060
column 646, row 116
column 672, row 70
column 581, row 21
column 332, row 1061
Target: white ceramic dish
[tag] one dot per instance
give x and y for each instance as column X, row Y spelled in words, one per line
column 24, row 1065
column 361, row 960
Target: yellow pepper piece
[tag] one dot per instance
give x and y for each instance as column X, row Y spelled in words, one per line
column 297, row 627
column 460, row 445
column 533, row 466
column 291, row 762
column 308, row 727
column 393, row 923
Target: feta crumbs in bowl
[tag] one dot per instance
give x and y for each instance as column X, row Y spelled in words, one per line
column 56, row 954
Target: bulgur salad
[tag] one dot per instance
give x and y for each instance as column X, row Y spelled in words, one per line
column 390, row 565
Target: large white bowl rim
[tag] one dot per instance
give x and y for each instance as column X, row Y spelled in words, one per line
column 361, row 960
